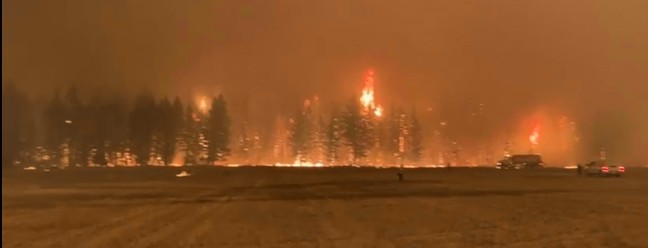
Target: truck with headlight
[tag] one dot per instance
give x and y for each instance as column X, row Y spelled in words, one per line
column 521, row 161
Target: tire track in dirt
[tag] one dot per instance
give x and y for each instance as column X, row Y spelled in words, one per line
column 332, row 234
column 192, row 235
column 57, row 239
column 179, row 224
column 101, row 237
column 190, row 231
column 446, row 214
column 340, row 219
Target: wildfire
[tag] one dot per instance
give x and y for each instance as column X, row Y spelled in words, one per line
column 535, row 135
column 367, row 98
column 378, row 111
column 299, row 163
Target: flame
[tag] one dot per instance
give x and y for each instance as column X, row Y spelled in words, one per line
column 367, row 98
column 203, row 105
column 535, row 135
column 299, row 163
column 378, row 111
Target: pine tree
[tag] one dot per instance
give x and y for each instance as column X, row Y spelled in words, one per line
column 166, row 131
column 415, row 139
column 96, row 130
column 301, row 133
column 382, row 142
column 245, row 143
column 117, row 131
column 191, row 136
column 332, row 139
column 141, row 124
column 78, row 144
column 281, row 138
column 393, row 135
column 218, row 131
column 319, row 139
column 402, row 138
column 357, row 130
column 17, row 127
column 177, row 122
column 54, row 127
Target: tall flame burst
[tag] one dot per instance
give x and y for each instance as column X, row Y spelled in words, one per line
column 367, row 98
column 203, row 105
column 535, row 135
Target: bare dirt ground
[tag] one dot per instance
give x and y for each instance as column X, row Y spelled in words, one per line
column 333, row 207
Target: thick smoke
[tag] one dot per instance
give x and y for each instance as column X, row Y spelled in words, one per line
column 525, row 61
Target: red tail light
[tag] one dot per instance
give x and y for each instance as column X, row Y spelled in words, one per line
column 604, row 169
column 621, row 169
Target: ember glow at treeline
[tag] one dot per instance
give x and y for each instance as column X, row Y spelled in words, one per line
column 165, row 132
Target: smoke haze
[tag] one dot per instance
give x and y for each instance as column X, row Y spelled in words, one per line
column 527, row 62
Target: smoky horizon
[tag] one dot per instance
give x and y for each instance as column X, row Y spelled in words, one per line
column 485, row 75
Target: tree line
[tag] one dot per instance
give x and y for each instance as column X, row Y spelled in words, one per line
column 393, row 137
column 103, row 131
column 146, row 130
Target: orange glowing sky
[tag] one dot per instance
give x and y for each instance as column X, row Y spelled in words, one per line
column 581, row 58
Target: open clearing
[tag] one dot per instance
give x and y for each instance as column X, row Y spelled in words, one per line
column 322, row 207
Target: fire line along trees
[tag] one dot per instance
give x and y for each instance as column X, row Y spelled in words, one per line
column 218, row 131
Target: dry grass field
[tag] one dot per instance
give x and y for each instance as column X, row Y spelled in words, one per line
column 322, row 207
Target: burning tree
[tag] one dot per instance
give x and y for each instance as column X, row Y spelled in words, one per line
column 534, row 137
column 245, row 143
column 301, row 132
column 357, row 130
column 281, row 138
column 218, row 131
column 415, row 139
column 332, row 138
column 394, row 132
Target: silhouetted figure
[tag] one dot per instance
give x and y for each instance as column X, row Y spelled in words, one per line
column 400, row 176
column 449, row 166
column 580, row 170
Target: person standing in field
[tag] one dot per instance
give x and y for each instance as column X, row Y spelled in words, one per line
column 580, row 170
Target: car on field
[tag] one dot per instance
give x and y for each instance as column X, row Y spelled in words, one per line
column 603, row 169
column 521, row 161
